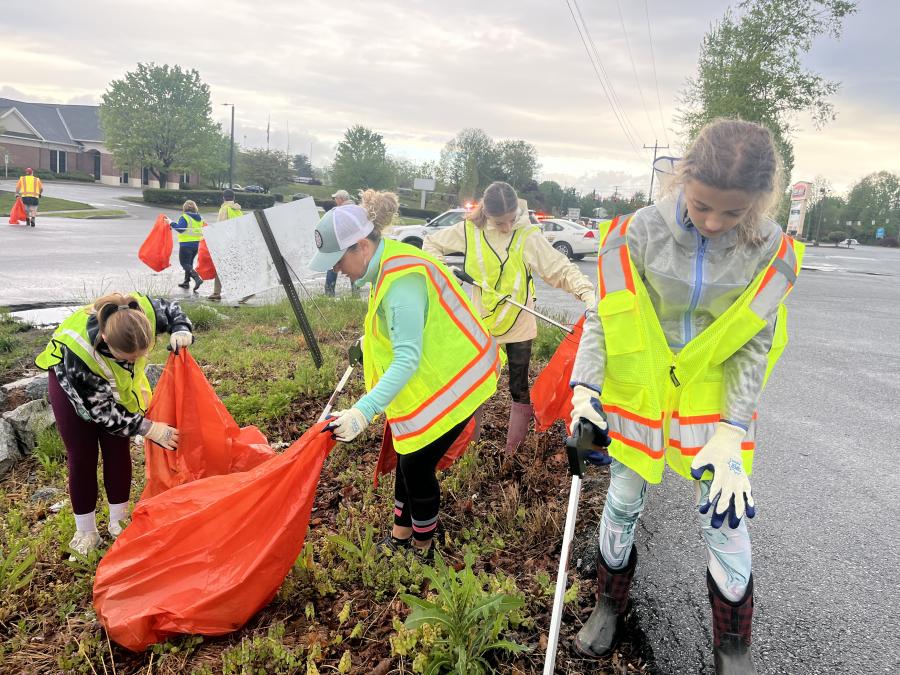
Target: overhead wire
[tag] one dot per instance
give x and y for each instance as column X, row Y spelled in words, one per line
column 637, row 80
column 610, row 95
column 655, row 78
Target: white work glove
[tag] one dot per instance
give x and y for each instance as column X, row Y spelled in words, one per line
column 163, row 435
column 729, row 493
column 348, row 424
column 179, row 339
column 586, row 405
column 590, row 302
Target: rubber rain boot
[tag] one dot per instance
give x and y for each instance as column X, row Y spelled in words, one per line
column 598, row 636
column 187, row 280
column 197, row 280
column 732, row 623
column 520, row 415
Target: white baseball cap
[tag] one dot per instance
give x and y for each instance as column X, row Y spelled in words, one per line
column 338, row 230
column 343, row 194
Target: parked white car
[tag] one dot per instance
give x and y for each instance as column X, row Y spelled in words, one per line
column 571, row 239
column 415, row 234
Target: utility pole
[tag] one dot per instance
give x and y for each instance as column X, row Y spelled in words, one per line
column 615, row 200
column 823, row 193
column 268, row 123
column 656, row 147
column 231, row 152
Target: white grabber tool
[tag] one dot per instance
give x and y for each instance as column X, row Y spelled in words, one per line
column 467, row 278
column 586, row 444
column 356, row 357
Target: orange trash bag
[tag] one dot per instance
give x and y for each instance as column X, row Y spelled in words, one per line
column 156, row 250
column 387, row 458
column 17, row 212
column 210, row 441
column 205, row 267
column 203, row 558
column 551, row 395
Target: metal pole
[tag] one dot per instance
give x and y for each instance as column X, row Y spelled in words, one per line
column 562, row 575
column 335, row 393
column 231, row 154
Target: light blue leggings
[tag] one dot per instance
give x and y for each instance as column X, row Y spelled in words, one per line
column 728, row 551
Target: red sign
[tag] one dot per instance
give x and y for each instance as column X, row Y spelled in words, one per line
column 798, row 192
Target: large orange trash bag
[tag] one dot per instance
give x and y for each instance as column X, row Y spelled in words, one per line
column 387, row 458
column 551, row 395
column 17, row 212
column 210, row 441
column 156, row 250
column 205, row 267
column 203, row 558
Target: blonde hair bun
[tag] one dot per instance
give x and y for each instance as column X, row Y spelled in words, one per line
column 381, row 207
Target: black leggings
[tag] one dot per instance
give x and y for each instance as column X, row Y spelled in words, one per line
column 417, row 494
column 519, row 356
column 187, row 251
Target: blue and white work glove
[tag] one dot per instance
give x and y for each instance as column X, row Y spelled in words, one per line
column 347, row 424
column 179, row 339
column 586, row 406
column 729, row 493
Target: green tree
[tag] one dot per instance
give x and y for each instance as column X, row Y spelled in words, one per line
column 750, row 68
column 517, row 161
column 552, row 194
column 158, row 117
column 470, row 153
column 361, row 161
column 213, row 165
column 468, row 185
column 266, row 168
column 302, row 165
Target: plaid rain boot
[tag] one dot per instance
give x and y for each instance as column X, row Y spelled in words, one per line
column 598, row 636
column 732, row 622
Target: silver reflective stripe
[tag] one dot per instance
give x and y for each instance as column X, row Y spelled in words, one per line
column 773, row 293
column 613, row 241
column 609, row 263
column 424, row 523
column 786, row 270
column 692, row 437
column 649, row 437
column 98, row 360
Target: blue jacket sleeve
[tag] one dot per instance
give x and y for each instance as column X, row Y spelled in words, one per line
column 180, row 225
column 405, row 306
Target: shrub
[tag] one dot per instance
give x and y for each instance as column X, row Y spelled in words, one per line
column 248, row 200
column 892, row 242
column 45, row 174
column 410, row 212
column 278, row 196
column 837, row 236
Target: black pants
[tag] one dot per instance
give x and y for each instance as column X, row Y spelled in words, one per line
column 330, row 282
column 417, row 494
column 187, row 251
column 519, row 356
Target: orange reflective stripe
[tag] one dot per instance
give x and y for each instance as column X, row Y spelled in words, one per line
column 656, row 424
column 615, row 273
column 655, row 454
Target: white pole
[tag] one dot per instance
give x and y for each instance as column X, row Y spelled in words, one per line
column 422, row 205
column 561, row 576
column 334, row 395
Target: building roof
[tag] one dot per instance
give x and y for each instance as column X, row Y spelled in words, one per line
column 64, row 124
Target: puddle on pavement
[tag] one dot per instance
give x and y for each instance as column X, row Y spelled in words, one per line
column 44, row 317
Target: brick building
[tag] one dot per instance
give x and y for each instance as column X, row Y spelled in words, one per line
column 65, row 138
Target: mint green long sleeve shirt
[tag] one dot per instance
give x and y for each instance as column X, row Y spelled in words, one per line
column 401, row 315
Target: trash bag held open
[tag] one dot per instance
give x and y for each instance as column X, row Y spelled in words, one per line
column 205, row 267
column 156, row 250
column 551, row 395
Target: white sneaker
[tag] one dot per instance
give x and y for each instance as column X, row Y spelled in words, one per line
column 84, row 543
column 116, row 527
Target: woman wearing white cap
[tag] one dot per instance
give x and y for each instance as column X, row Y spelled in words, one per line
column 429, row 361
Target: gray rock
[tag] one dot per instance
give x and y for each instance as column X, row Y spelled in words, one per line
column 2, row 397
column 20, row 384
column 153, row 370
column 28, row 421
column 9, row 448
column 283, row 330
column 37, row 388
column 46, row 494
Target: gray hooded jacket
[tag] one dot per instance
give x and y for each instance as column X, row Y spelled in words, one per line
column 691, row 280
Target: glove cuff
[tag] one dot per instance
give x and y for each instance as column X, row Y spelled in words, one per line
column 730, row 432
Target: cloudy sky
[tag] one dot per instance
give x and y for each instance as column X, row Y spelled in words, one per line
column 418, row 71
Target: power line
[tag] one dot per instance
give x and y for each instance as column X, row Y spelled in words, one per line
column 597, row 72
column 637, row 80
column 656, row 147
column 655, row 78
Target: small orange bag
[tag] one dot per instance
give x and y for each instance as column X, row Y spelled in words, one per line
column 551, row 395
column 156, row 250
column 17, row 213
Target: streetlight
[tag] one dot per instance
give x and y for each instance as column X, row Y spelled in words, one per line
column 822, row 194
column 231, row 153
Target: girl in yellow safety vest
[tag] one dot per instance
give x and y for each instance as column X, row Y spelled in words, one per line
column 189, row 227
column 688, row 324
column 503, row 251
column 99, row 393
column 429, row 361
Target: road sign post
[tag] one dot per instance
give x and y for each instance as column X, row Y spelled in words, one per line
column 425, row 185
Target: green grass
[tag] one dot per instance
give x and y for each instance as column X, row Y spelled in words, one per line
column 7, row 199
column 97, row 214
column 325, row 192
column 19, row 344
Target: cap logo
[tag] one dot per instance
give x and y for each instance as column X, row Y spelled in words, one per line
column 318, row 237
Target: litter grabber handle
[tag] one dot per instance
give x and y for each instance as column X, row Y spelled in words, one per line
column 467, row 278
column 586, row 444
column 337, row 391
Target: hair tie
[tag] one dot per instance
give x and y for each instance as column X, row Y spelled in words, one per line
column 123, row 307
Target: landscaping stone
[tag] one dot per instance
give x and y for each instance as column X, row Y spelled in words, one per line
column 37, row 388
column 9, row 448
column 28, row 421
column 2, row 397
column 46, row 494
column 22, row 383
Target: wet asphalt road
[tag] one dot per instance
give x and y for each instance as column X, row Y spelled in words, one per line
column 827, row 486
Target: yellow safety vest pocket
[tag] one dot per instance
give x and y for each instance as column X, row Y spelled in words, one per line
column 622, row 326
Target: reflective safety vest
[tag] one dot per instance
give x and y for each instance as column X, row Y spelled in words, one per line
column 193, row 231
column 662, row 407
column 231, row 212
column 509, row 277
column 460, row 360
column 130, row 390
column 29, row 186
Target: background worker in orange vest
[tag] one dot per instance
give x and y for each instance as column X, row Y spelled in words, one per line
column 30, row 189
column 689, row 259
